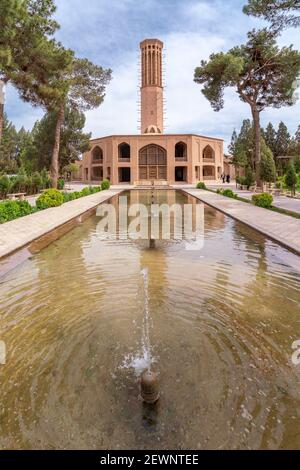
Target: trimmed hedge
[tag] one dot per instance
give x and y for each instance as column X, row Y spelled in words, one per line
column 201, row 185
column 105, row 185
column 263, row 200
column 50, row 198
column 227, row 193
column 10, row 210
column 78, row 194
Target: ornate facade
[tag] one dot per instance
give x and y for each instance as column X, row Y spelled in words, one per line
column 153, row 155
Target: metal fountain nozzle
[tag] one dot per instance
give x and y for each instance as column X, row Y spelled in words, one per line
column 149, row 387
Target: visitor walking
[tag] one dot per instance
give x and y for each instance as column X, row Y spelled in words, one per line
column 228, row 179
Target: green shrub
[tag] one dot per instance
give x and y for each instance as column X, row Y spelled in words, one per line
column 25, row 208
column 10, row 210
column 50, row 198
column 262, row 200
column 85, row 192
column 77, row 194
column 5, row 186
column 201, row 185
column 68, row 197
column 60, row 184
column 95, row 189
column 228, row 193
column 105, row 185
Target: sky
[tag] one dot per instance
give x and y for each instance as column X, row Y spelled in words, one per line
column 108, row 32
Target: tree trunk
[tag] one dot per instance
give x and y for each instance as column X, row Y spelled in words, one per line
column 55, row 153
column 257, row 146
column 2, row 84
column 1, row 120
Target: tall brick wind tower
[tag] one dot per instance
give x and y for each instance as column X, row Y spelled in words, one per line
column 152, row 87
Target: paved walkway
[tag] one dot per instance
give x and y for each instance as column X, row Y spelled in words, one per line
column 20, row 232
column 279, row 227
column 283, row 202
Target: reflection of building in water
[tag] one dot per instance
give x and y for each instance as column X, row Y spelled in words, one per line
column 153, row 155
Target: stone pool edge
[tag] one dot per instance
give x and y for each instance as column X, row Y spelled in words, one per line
column 280, row 228
column 19, row 233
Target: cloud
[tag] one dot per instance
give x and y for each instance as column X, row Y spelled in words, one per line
column 109, row 31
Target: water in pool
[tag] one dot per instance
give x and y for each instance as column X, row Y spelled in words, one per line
column 81, row 318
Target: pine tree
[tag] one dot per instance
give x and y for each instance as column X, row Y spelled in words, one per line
column 28, row 53
column 270, row 137
column 291, row 177
column 283, row 140
column 73, row 141
column 267, row 164
column 294, row 146
column 280, row 13
column 82, row 88
column 8, row 148
column 262, row 74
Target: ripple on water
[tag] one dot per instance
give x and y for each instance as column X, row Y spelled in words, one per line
column 219, row 332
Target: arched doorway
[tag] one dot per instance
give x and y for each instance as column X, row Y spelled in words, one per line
column 152, row 163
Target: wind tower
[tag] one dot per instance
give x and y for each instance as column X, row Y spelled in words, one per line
column 152, row 106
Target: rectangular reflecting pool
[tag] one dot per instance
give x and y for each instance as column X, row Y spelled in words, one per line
column 82, row 318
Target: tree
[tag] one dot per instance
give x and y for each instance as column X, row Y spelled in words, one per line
column 262, row 74
column 294, row 145
column 281, row 13
column 267, row 166
column 27, row 52
column 283, row 140
column 8, row 148
column 270, row 137
column 241, row 147
column 73, row 141
column 291, row 177
column 297, row 164
column 82, row 87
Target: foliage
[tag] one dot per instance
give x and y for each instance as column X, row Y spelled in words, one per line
column 283, row 140
column 5, row 185
column 267, row 165
column 105, row 185
column 227, row 193
column 242, row 144
column 262, row 74
column 72, row 144
column 249, row 179
column 297, row 164
column 291, row 177
column 78, row 194
column 50, row 198
column 201, row 185
column 10, row 210
column 262, row 200
column 270, row 137
column 8, row 147
column 61, row 184
column 281, row 13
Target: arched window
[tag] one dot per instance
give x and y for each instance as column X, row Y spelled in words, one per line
column 208, row 153
column 97, row 155
column 153, row 163
column 124, row 152
column 181, row 152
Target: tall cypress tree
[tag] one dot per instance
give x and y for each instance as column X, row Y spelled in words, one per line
column 283, row 140
column 270, row 137
column 8, row 148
